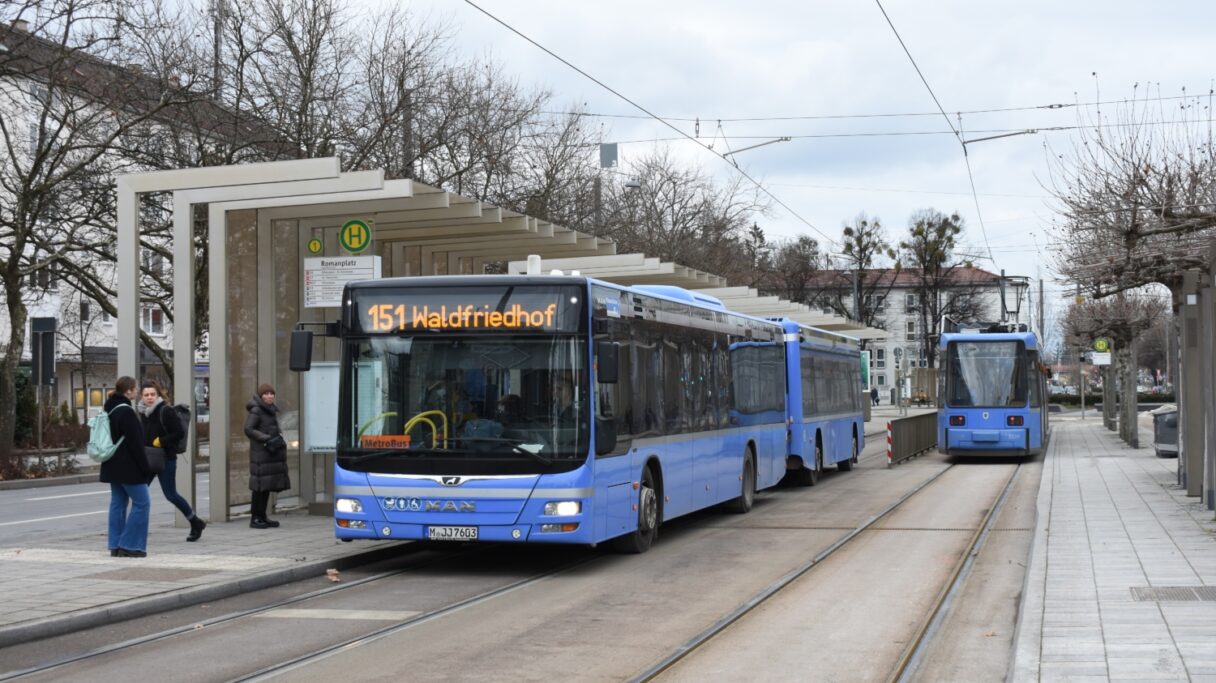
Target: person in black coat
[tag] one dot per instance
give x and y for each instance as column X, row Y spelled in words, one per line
column 127, row 472
column 163, row 429
column 267, row 455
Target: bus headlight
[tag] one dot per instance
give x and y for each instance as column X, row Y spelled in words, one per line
column 348, row 505
column 563, row 508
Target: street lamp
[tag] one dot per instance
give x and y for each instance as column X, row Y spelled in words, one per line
column 1019, row 284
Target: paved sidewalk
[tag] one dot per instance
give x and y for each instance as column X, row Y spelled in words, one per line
column 1122, row 580
column 71, row 583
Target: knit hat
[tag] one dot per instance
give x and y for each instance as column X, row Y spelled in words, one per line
column 265, row 389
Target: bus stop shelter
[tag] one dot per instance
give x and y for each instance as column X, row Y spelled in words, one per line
column 269, row 225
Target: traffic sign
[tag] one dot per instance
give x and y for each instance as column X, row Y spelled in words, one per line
column 355, row 236
column 1102, row 345
column 315, row 246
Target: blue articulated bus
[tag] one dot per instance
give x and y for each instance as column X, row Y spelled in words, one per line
column 825, row 401
column 992, row 398
column 558, row 409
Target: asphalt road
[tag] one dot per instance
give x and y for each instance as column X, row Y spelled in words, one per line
column 27, row 515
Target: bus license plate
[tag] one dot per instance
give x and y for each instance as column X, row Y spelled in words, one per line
column 452, row 533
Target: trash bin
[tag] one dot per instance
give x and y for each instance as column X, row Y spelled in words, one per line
column 1165, row 431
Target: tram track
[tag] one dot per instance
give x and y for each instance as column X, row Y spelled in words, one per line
column 922, row 641
column 330, row 591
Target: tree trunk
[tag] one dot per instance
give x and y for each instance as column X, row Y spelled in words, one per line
column 1130, row 399
column 8, row 376
column 1109, row 397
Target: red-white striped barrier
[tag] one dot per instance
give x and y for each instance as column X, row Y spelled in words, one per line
column 889, row 441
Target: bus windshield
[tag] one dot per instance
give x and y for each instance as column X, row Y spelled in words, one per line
column 986, row 374
column 477, row 397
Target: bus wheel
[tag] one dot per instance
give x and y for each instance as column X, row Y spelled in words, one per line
column 846, row 465
column 813, row 477
column 747, row 490
column 640, row 540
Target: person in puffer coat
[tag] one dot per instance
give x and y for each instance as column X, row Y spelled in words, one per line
column 127, row 472
column 267, row 455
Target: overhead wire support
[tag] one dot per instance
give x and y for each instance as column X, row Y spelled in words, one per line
column 656, row 117
column 957, row 131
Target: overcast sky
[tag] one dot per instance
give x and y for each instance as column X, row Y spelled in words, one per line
column 717, row 59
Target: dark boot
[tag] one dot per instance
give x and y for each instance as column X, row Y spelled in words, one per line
column 272, row 523
column 196, row 528
column 258, row 523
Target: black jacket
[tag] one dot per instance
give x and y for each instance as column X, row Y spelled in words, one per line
column 128, row 465
column 166, row 426
column 267, row 466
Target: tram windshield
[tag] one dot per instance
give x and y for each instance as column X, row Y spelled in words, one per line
column 986, row 374
column 483, row 397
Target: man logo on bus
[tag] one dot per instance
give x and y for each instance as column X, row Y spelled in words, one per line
column 450, row 506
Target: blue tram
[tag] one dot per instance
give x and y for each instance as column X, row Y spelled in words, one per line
column 992, row 397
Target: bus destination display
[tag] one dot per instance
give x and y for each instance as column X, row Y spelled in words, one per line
column 459, row 309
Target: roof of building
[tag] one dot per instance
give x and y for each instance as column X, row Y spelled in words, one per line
column 962, row 276
column 132, row 90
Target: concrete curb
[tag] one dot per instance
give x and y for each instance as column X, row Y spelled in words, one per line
column 83, row 478
column 89, row 477
column 23, row 632
column 1025, row 660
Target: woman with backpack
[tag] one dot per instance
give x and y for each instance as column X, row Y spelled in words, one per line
column 127, row 473
column 267, row 455
column 163, row 429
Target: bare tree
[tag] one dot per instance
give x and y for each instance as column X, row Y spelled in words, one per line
column 65, row 104
column 942, row 288
column 794, row 264
column 1123, row 318
column 681, row 214
column 864, row 246
column 1136, row 195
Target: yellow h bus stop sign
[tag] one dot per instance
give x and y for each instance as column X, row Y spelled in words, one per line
column 355, row 236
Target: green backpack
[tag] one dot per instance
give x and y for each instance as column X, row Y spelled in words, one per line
column 101, row 445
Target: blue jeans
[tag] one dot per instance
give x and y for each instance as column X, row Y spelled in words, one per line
column 168, row 486
column 129, row 531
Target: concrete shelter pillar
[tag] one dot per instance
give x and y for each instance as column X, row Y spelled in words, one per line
column 1189, row 387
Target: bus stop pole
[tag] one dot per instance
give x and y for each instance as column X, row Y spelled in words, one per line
column 1081, row 381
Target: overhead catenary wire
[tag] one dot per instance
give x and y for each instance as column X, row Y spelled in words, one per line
column 890, row 115
column 654, row 116
column 957, row 132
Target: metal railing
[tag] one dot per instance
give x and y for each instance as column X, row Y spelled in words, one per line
column 908, row 437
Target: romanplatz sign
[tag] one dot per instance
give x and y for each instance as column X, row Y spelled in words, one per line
column 325, row 277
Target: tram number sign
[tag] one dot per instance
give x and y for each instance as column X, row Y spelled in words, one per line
column 1102, row 345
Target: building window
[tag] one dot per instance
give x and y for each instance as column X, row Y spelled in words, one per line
column 97, row 398
column 878, row 360
column 911, row 330
column 880, row 380
column 875, row 302
column 78, row 399
column 152, row 320
column 910, row 303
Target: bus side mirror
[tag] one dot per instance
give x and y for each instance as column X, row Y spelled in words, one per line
column 301, row 350
column 606, row 357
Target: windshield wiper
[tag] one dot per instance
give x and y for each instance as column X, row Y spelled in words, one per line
column 515, row 445
column 403, row 451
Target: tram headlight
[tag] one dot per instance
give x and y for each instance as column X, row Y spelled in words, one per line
column 563, row 508
column 348, row 505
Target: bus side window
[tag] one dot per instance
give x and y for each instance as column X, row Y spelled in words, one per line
column 615, row 402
